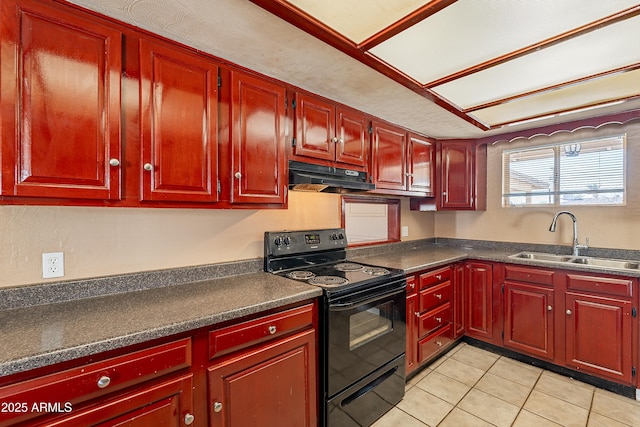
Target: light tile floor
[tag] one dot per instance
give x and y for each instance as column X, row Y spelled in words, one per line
column 472, row 387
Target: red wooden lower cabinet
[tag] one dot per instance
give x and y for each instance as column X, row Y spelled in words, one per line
column 413, row 317
column 479, row 300
column 167, row 404
column 598, row 331
column 529, row 319
column 273, row 385
column 430, row 316
column 261, row 371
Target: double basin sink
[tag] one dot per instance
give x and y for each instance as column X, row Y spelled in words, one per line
column 605, row 263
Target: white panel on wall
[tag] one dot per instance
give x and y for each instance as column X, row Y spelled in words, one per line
column 366, row 222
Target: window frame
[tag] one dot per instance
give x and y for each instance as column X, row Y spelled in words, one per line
column 393, row 217
column 556, row 194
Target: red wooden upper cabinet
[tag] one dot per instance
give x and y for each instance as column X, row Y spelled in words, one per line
column 402, row 162
column 420, row 165
column 463, row 175
column 389, row 157
column 329, row 132
column 258, row 140
column 60, row 103
column 178, row 116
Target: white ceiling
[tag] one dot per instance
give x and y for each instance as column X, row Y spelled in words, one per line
column 243, row 33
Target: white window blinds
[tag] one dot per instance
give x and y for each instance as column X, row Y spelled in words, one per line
column 587, row 172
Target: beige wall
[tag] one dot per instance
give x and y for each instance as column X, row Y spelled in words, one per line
column 607, row 227
column 106, row 241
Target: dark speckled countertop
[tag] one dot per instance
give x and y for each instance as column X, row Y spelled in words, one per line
column 31, row 337
column 49, row 323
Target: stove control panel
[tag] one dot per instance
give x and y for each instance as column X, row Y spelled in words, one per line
column 278, row 243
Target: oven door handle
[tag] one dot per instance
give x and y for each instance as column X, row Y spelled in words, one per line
column 363, row 301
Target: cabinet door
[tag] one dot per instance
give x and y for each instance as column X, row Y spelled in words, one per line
column 258, row 120
column 457, row 188
column 353, row 138
column 421, row 170
column 273, row 385
column 60, row 103
column 315, row 133
column 179, row 98
column 528, row 317
column 389, row 157
column 479, row 300
column 413, row 317
column 458, row 300
column 166, row 404
column 598, row 335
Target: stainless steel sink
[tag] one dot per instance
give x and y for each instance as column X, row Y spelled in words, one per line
column 537, row 256
column 607, row 263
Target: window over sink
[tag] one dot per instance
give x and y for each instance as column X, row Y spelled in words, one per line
column 572, row 173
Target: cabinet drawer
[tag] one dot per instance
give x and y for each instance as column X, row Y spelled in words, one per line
column 432, row 344
column 433, row 297
column 527, row 274
column 412, row 287
column 621, row 287
column 96, row 379
column 435, row 319
column 258, row 330
column 434, row 277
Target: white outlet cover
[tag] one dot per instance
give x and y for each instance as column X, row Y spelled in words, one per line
column 405, row 231
column 52, row 265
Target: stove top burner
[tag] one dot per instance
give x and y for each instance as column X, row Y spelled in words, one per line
column 301, row 275
column 348, row 266
column 328, row 280
column 375, row 271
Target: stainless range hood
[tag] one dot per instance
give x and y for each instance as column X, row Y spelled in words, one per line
column 310, row 177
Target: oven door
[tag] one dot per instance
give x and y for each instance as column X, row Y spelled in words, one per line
column 366, row 330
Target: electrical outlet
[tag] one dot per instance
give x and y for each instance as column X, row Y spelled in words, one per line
column 52, row 265
column 405, row 231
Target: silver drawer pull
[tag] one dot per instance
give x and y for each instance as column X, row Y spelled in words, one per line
column 148, row 167
column 114, row 162
column 272, row 329
column 439, row 343
column 549, row 308
column 439, row 319
column 439, row 296
column 439, row 276
column 104, row 381
column 569, row 312
column 188, row 419
column 217, row 406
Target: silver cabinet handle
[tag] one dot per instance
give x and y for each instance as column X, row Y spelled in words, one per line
column 444, row 193
column 439, row 343
column 439, row 296
column 188, row 419
column 417, row 313
column 569, row 312
column 334, row 139
column 412, row 285
column 439, row 319
column 272, row 329
column 148, row 167
column 341, row 141
column 439, row 276
column 217, row 406
column 114, row 162
column 238, row 175
column 104, row 381
column 549, row 308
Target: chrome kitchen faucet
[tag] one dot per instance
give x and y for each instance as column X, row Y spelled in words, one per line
column 576, row 245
